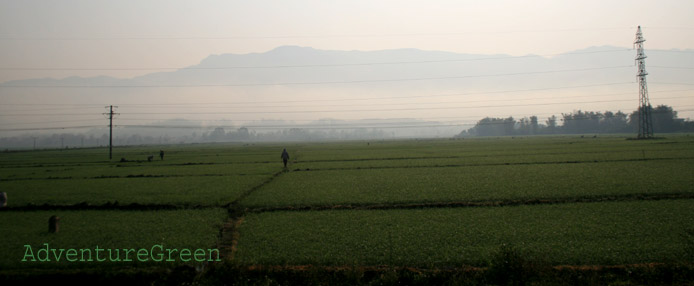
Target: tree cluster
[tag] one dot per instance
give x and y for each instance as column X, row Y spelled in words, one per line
column 581, row 122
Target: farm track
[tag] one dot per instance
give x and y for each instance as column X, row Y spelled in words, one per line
column 229, row 234
column 493, row 164
column 483, row 203
column 229, row 237
column 253, row 189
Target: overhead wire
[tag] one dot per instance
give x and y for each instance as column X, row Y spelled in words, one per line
column 345, row 110
column 247, row 37
column 231, row 105
column 51, row 128
column 398, row 97
column 379, row 125
column 367, row 110
column 189, row 104
column 395, row 109
column 305, row 66
column 50, row 122
column 314, row 83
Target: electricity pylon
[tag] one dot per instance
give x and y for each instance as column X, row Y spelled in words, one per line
column 645, row 120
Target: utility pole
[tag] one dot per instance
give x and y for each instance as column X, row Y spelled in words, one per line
column 110, row 116
column 645, row 120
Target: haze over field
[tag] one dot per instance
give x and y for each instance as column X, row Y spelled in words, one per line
column 317, row 64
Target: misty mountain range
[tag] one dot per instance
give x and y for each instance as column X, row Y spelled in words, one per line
column 292, row 65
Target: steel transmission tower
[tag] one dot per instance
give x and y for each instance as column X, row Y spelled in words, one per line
column 645, row 120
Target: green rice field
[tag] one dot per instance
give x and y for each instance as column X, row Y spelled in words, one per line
column 413, row 203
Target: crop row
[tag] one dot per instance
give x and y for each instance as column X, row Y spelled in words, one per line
column 172, row 154
column 489, row 147
column 579, row 234
column 133, row 170
column 204, row 190
column 496, row 159
column 501, row 182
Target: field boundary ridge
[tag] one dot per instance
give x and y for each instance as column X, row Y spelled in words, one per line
column 479, row 203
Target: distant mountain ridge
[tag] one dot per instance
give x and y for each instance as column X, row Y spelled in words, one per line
column 294, row 64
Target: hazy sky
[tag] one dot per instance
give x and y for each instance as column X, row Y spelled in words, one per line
column 127, row 38
column 166, row 33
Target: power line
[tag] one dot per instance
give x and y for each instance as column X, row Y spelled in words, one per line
column 330, row 100
column 436, row 119
column 50, row 109
column 387, row 109
column 400, row 97
column 263, row 37
column 301, row 127
column 313, row 83
column 672, row 51
column 681, row 68
column 672, row 83
column 44, row 122
column 52, row 104
column 381, row 125
column 292, row 126
column 231, row 105
column 48, row 114
column 306, row 66
column 669, row 28
column 338, row 126
column 404, row 109
column 320, row 120
column 51, row 128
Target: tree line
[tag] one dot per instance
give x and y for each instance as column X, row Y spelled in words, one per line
column 581, row 122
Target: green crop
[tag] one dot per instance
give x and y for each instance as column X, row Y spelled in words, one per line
column 195, row 190
column 475, row 183
column 562, row 200
column 580, row 233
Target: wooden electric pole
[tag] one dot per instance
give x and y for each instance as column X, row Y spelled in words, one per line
column 110, row 116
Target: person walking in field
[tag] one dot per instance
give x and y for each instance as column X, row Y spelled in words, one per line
column 285, row 157
column 161, row 154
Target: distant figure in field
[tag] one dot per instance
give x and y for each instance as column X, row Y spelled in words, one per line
column 285, row 157
column 53, row 224
column 161, row 154
column 3, row 199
